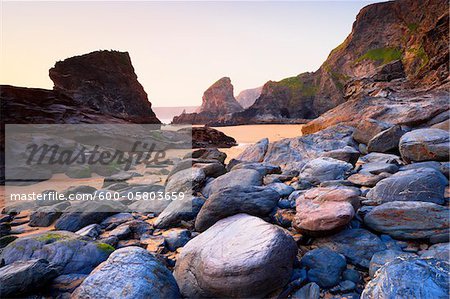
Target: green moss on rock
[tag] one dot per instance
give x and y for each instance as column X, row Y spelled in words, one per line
column 383, row 55
column 51, row 237
column 105, row 247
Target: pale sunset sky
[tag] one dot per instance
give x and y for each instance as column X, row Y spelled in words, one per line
column 178, row 49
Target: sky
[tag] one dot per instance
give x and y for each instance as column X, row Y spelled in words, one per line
column 178, row 49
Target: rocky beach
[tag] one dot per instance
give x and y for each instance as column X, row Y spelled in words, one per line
column 332, row 184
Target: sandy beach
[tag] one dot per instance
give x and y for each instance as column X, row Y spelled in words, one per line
column 249, row 134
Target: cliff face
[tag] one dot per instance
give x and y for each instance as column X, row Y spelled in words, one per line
column 100, row 87
column 412, row 32
column 106, row 82
column 248, row 97
column 424, row 57
column 218, row 101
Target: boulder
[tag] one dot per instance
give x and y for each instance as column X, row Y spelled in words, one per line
column 325, row 169
column 240, row 256
column 427, row 164
column 378, row 168
column 130, row 272
column 293, row 153
column 347, row 154
column 410, row 278
column 66, row 251
column 425, row 144
column 367, row 179
column 381, row 258
column 409, row 220
column 386, row 140
column 438, row 251
column 282, row 189
column 309, row 291
column 254, row 152
column 324, row 266
column 263, row 168
column 423, row 184
column 22, row 277
column 187, row 181
column 179, row 210
column 325, row 210
column 115, row 220
column 91, row 231
column 208, row 154
column 253, row 200
column 85, row 213
column 176, row 238
column 368, row 129
column 357, row 245
column 240, row 177
column 45, row 216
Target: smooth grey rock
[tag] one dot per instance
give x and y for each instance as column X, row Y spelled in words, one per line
column 368, row 128
column 413, row 278
column 325, row 169
column 424, row 184
column 424, row 145
column 212, row 170
column 351, row 275
column 381, row 258
column 176, row 238
column 324, row 266
column 438, row 251
column 309, row 291
column 88, row 212
column 386, row 140
column 253, row 200
column 22, row 277
column 357, row 245
column 187, row 181
column 347, row 154
column 91, row 231
column 207, row 154
column 255, row 152
column 68, row 252
column 409, row 220
column 262, row 168
column 240, row 177
column 179, row 210
column 240, row 256
column 282, row 189
column 130, row 272
column 293, row 153
column 45, row 216
column 115, row 220
column 378, row 168
column 427, row 164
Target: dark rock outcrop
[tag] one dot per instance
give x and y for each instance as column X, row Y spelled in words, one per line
column 205, row 137
column 105, row 81
column 99, row 87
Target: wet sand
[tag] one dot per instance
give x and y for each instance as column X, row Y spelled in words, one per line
column 249, row 134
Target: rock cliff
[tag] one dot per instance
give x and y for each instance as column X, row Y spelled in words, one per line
column 104, row 81
column 403, row 39
column 218, row 101
column 248, row 97
column 99, row 87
